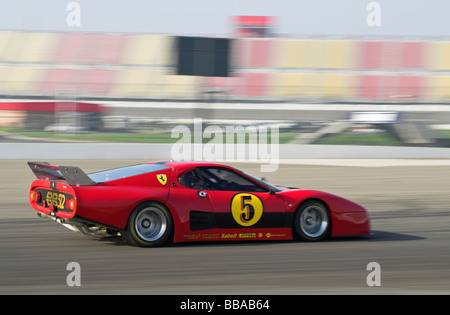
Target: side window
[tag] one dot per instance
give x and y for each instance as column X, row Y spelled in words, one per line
column 192, row 180
column 217, row 178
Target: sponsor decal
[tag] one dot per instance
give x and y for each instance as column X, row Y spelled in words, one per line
column 247, row 235
column 269, row 235
column 210, row 236
column 201, row 236
column 191, row 236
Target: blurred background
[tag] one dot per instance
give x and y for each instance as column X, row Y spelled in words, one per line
column 84, row 85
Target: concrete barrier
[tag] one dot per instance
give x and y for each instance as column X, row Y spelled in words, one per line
column 84, row 151
column 43, row 151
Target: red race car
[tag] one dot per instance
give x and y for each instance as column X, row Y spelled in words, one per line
column 151, row 203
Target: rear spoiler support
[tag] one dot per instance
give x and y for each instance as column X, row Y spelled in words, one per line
column 73, row 175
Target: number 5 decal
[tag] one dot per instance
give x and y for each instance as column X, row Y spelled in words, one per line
column 246, row 209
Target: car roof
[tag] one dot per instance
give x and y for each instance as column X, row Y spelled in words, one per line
column 188, row 164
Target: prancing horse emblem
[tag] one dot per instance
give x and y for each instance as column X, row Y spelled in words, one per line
column 162, row 178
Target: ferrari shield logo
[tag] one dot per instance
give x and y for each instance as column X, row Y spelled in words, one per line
column 162, row 178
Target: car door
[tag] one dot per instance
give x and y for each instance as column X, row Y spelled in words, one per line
column 239, row 202
column 191, row 203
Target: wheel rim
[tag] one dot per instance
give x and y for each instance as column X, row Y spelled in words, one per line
column 151, row 224
column 314, row 221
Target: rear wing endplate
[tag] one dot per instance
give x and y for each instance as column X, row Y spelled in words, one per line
column 73, row 175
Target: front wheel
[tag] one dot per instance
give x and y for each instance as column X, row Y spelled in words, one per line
column 312, row 221
column 150, row 225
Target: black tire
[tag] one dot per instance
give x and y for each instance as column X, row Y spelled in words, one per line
column 149, row 225
column 312, row 221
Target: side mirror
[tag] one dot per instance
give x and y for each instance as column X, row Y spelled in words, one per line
column 272, row 191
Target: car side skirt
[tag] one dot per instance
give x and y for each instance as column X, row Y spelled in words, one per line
column 250, row 234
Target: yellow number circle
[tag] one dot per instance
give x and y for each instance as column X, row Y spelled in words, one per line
column 247, row 209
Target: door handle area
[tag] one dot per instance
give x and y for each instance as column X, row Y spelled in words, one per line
column 202, row 194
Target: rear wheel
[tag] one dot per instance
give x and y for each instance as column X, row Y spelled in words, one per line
column 312, row 221
column 150, row 225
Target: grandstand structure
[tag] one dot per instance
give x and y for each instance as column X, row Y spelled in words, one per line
column 142, row 66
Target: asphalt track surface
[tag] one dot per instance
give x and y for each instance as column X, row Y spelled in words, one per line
column 410, row 216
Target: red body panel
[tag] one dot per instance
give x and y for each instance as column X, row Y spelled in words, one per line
column 208, row 215
column 347, row 217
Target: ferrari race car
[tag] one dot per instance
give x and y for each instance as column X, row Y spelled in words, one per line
column 152, row 203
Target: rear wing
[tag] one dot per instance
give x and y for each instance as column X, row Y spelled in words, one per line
column 73, row 175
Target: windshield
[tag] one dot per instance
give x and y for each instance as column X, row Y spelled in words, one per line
column 123, row 172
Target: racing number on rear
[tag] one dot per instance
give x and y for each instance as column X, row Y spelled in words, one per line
column 246, row 209
column 58, row 200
